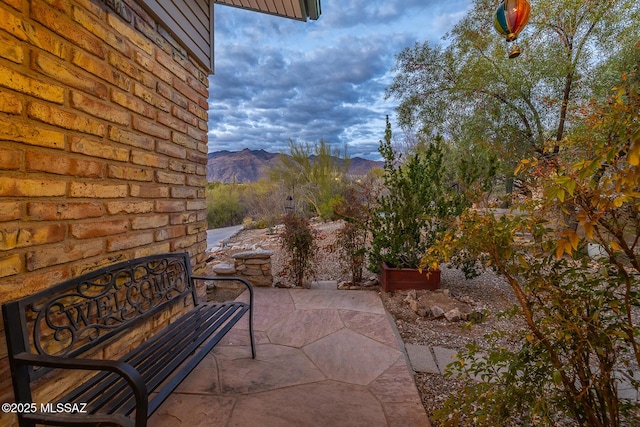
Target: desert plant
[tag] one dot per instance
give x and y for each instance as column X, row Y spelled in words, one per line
column 418, row 201
column 298, row 241
column 355, row 208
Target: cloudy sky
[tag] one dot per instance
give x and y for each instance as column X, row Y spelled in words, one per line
column 278, row 79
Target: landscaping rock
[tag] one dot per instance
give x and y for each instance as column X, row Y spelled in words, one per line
column 436, row 312
column 453, row 315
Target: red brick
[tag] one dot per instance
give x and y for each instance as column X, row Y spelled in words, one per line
column 62, row 165
column 170, row 233
column 149, row 159
column 53, row 211
column 62, row 254
column 170, row 178
column 186, row 90
column 184, row 140
column 97, row 190
column 96, row 148
column 26, row 187
column 101, row 31
column 89, row 230
column 31, row 133
column 132, row 103
column 151, row 97
column 23, row 285
column 9, row 103
column 196, row 205
column 152, row 66
column 170, row 149
column 102, row 110
column 183, row 243
column 10, row 211
column 129, row 173
column 31, row 236
column 134, row 139
column 62, row 25
column 172, row 122
column 182, row 167
column 154, row 191
column 65, row 119
column 151, row 128
column 169, row 206
column 183, row 218
column 69, row 75
column 10, row 265
column 129, row 241
column 129, row 207
column 22, row 83
column 169, row 63
column 184, row 192
column 10, row 159
column 147, row 222
column 100, row 69
column 169, row 93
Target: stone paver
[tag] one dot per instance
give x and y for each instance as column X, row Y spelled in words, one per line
column 324, row 358
column 422, row 359
column 443, row 357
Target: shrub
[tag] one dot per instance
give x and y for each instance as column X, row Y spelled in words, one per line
column 582, row 334
column 298, row 240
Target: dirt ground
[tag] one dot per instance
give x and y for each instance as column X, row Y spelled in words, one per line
column 485, row 294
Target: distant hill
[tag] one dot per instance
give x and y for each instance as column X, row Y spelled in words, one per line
column 251, row 165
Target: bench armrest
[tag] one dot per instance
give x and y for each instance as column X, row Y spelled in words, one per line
column 126, row 371
column 250, row 288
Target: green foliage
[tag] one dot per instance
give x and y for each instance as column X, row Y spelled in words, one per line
column 224, row 205
column 470, row 91
column 313, row 175
column 355, row 207
column 414, row 210
column 581, row 332
column 298, row 241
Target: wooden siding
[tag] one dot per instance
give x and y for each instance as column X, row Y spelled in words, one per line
column 191, row 22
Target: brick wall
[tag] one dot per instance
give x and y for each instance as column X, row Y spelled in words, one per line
column 103, row 120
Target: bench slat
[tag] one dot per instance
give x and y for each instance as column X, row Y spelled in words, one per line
column 158, row 358
column 51, row 329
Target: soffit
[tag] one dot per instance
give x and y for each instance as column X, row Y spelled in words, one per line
column 294, row 9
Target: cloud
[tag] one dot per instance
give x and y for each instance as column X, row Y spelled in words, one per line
column 278, row 79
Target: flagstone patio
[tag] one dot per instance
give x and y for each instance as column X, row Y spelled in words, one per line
column 324, row 358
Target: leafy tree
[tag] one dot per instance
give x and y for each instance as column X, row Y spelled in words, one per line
column 582, row 333
column 470, row 91
column 314, row 174
column 224, row 204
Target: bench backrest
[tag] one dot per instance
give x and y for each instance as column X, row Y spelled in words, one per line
column 78, row 314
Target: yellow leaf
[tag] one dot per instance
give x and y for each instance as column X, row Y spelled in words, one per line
column 634, row 153
column 615, row 246
column 559, row 250
column 618, row 201
column 588, row 230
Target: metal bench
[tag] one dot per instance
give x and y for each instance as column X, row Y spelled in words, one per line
column 54, row 328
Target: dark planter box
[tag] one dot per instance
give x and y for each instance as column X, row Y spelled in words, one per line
column 400, row 279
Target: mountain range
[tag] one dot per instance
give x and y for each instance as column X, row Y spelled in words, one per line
column 252, row 165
